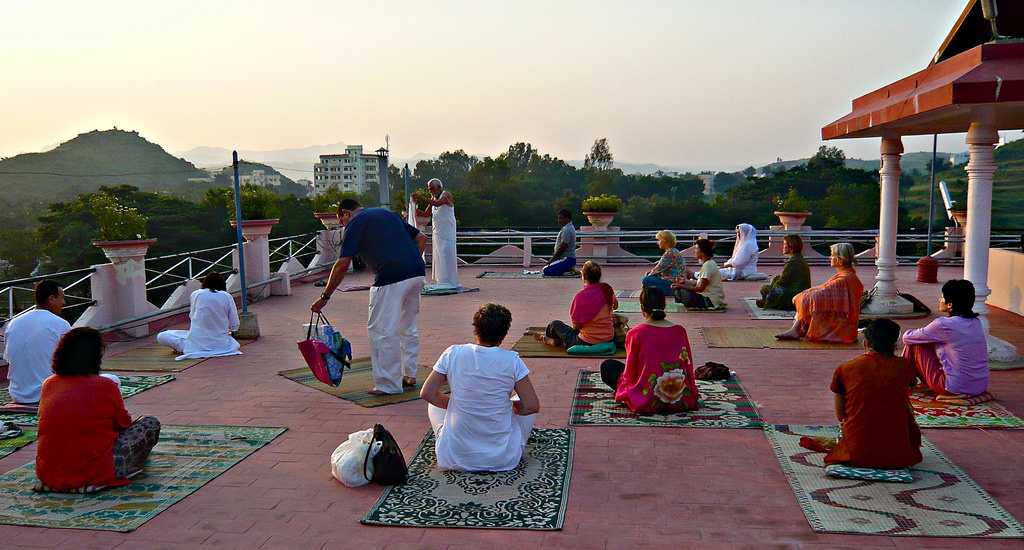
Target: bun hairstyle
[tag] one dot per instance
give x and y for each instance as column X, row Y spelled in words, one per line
column 652, row 303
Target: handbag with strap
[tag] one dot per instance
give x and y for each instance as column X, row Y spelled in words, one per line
column 319, row 356
column 389, row 466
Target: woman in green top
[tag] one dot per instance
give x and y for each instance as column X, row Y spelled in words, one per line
column 794, row 279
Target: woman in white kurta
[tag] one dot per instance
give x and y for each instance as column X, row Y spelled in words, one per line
column 213, row 317
column 479, row 426
column 443, row 259
column 743, row 263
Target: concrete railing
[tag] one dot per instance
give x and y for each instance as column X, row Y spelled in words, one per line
column 119, row 295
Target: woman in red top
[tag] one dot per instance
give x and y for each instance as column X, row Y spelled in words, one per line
column 658, row 374
column 590, row 313
column 87, row 440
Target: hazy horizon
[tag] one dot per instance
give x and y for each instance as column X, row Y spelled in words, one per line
column 684, row 84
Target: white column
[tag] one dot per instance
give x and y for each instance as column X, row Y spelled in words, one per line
column 981, row 140
column 885, row 299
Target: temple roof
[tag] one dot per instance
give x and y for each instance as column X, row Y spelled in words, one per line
column 969, row 79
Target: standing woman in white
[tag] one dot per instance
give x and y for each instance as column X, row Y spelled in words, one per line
column 213, row 318
column 444, row 262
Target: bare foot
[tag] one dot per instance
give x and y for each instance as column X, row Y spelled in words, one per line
column 759, row 303
column 788, row 335
column 408, row 381
column 377, row 392
column 551, row 342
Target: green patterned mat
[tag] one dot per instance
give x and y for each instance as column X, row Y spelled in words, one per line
column 942, row 501
column 8, row 446
column 357, row 382
column 186, row 458
column 130, row 385
column 533, row 496
column 723, row 404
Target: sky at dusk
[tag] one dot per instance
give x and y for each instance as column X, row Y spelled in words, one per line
column 711, row 84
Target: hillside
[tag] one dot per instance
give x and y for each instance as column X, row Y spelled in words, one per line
column 92, row 159
column 1007, row 193
column 910, row 162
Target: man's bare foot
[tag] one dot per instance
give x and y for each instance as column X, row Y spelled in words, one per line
column 759, row 303
column 788, row 335
column 548, row 341
column 538, row 336
column 408, row 381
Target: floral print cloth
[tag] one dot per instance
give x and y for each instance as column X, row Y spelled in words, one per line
column 659, row 371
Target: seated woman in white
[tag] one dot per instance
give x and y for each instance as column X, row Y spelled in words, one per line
column 743, row 263
column 213, row 318
column 480, row 426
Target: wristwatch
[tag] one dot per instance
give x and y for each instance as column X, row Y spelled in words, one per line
column 325, row 296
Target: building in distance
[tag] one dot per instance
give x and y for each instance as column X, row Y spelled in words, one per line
column 352, row 171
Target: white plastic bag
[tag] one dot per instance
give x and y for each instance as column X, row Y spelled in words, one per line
column 347, row 460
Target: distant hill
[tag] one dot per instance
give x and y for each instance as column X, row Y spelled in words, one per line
column 910, row 162
column 90, row 160
column 1007, row 193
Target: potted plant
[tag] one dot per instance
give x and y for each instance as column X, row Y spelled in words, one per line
column 793, row 210
column 420, row 198
column 259, row 211
column 122, row 230
column 600, row 210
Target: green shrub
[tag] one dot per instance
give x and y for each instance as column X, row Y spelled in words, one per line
column 258, row 203
column 329, row 200
column 116, row 221
column 792, row 202
column 602, row 203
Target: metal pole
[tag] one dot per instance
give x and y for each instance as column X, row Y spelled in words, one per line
column 931, row 193
column 238, row 233
column 405, row 179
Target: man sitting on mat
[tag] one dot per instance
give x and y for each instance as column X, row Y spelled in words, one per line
column 873, row 406
column 393, row 250
column 702, row 290
column 657, row 376
column 213, row 317
column 951, row 353
column 564, row 257
column 590, row 314
column 31, row 339
column 478, row 428
column 87, row 440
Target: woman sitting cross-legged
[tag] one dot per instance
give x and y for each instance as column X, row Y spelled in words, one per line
column 590, row 313
column 702, row 290
column 87, row 440
column 873, row 407
column 670, row 267
column 951, row 353
column 794, row 279
column 829, row 312
column 480, row 426
column 658, row 374
column 213, row 317
column 743, row 262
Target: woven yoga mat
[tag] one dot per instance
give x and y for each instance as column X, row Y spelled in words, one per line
column 152, row 358
column 356, row 382
column 185, row 459
column 762, row 314
column 936, row 414
column 534, row 496
column 521, row 275
column 941, row 502
column 445, row 291
column 1000, row 365
column 8, row 446
column 723, row 404
column 130, row 385
column 528, row 346
column 670, row 307
column 758, row 338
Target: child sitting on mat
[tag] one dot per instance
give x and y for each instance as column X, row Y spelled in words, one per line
column 480, row 426
column 590, row 314
column 873, row 405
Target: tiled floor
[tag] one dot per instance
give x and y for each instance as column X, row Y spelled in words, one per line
column 659, row 488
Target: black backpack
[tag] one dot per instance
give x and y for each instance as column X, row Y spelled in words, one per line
column 389, row 466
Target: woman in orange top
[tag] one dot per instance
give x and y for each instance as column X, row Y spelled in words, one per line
column 873, row 405
column 87, row 440
column 590, row 313
column 829, row 312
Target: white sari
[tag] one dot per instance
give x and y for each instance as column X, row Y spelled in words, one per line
column 444, row 262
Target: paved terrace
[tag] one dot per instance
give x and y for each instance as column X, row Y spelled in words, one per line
column 655, row 487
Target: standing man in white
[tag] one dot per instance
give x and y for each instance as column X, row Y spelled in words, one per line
column 444, row 261
column 31, row 339
column 393, row 250
column 213, row 318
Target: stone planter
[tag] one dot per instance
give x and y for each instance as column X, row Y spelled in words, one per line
column 329, row 219
column 123, row 251
column 792, row 221
column 959, row 216
column 256, row 229
column 600, row 220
